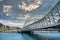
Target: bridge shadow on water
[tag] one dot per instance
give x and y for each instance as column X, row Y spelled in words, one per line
column 44, row 36
column 47, row 36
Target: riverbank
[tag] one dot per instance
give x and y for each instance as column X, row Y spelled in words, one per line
column 6, row 30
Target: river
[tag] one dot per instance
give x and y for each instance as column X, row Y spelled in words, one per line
column 39, row 36
column 15, row 36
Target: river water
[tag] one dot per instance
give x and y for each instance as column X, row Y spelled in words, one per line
column 15, row 36
column 39, row 36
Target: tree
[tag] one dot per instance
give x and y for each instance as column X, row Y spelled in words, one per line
column 1, row 25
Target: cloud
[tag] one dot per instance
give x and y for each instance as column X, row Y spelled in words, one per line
column 7, row 14
column 30, row 7
column 25, row 16
column 1, row 0
column 6, row 8
column 12, row 23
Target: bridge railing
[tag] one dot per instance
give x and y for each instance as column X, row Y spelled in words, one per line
column 52, row 18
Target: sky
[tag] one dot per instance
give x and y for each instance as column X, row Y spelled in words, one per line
column 16, row 12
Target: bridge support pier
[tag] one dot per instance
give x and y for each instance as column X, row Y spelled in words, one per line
column 27, row 32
